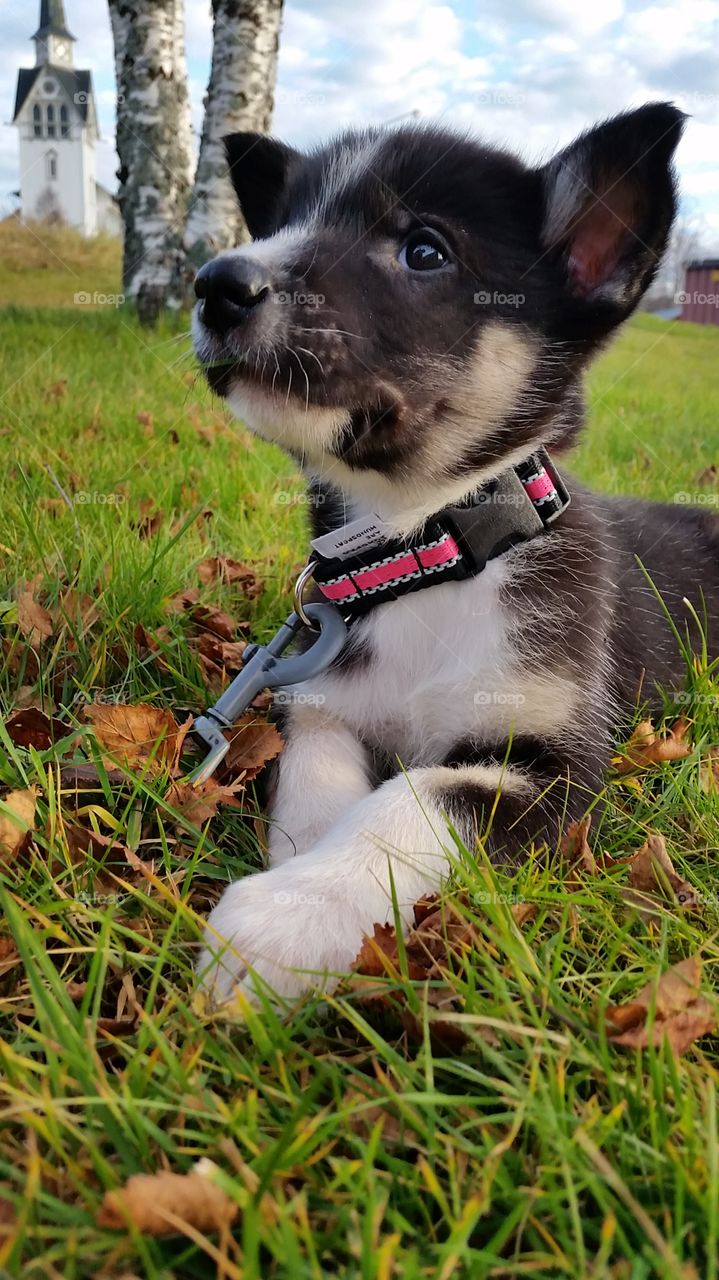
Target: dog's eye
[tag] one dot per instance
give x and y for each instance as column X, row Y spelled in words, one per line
column 424, row 251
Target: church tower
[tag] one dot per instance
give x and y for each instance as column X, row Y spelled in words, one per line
column 56, row 120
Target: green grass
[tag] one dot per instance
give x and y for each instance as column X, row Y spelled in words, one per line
column 351, row 1148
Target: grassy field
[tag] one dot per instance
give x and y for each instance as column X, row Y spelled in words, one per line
column 350, row 1140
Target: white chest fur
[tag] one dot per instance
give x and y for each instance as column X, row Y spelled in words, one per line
column 445, row 667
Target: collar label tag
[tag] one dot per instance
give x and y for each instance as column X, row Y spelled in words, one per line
column 358, row 535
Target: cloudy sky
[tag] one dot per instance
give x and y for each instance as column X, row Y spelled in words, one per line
column 530, row 74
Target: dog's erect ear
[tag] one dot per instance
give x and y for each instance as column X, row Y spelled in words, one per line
column 609, row 201
column 259, row 169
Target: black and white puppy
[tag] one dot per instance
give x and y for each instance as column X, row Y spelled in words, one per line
column 411, row 323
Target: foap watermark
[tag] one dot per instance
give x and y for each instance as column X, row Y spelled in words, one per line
column 482, row 898
column 100, row 899
column 298, row 299
column 286, row 498
column 99, row 698
column 494, row 298
column 498, row 698
column 286, row 899
column 697, row 499
column 86, row 299
column 500, row 498
column 295, row 698
column 689, row 298
column 96, row 499
column 684, row 698
column 497, row 97
column 292, row 98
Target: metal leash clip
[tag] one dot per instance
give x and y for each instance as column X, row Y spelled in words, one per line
column 264, row 668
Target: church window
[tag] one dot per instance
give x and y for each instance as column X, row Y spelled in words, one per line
column 37, row 121
column 51, row 160
column 50, row 121
column 64, row 122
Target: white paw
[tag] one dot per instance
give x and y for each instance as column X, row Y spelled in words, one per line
column 283, row 930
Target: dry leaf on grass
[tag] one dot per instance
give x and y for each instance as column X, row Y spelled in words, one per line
column 32, row 728
column 647, row 748
column 253, row 743
column 159, row 1204
column 225, row 569
column 197, row 804
column 217, row 621
column 138, row 736
column 651, row 869
column 440, row 938
column 33, row 619
column 151, row 519
column 682, row 1013
column 8, row 955
column 575, row 851
column 17, row 822
column 57, row 391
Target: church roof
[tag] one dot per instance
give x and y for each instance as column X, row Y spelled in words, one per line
column 52, row 20
column 77, row 85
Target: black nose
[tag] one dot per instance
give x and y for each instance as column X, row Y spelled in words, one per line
column 229, row 287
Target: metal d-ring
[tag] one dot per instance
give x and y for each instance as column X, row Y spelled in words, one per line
column 302, row 579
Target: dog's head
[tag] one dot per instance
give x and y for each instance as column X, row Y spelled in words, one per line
column 416, row 308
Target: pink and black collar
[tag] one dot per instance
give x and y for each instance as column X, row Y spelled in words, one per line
column 455, row 544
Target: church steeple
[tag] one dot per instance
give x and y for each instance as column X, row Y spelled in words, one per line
column 53, row 41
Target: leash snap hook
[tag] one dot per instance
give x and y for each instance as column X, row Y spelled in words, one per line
column 264, row 667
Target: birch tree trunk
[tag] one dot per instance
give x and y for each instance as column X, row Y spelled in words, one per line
column 153, row 144
column 240, row 95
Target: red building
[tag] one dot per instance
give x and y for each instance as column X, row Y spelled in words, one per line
column 700, row 296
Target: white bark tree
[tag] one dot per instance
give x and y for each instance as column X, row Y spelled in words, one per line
column 240, row 96
column 153, row 144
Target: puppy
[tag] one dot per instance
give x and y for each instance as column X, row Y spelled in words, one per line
column 412, row 323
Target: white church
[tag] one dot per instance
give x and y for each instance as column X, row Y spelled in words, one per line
column 57, row 124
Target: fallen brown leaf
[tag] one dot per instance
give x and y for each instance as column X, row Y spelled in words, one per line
column 225, row 654
column 253, row 743
column 225, row 569
column 217, row 621
column 9, row 956
column 646, row 748
column 151, row 519
column 575, row 851
column 138, row 736
column 439, row 940
column 57, row 390
column 160, row 1204
column 32, row 728
column 197, row 804
column 652, row 869
column 682, row 1014
column 33, row 619
column 17, row 821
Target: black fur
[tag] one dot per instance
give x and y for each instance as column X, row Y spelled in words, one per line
column 578, row 240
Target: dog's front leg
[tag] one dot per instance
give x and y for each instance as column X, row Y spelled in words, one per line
column 303, row 921
column 323, row 770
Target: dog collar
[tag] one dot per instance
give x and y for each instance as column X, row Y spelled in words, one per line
column 356, row 568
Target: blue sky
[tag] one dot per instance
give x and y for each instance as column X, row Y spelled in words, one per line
column 529, row 74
